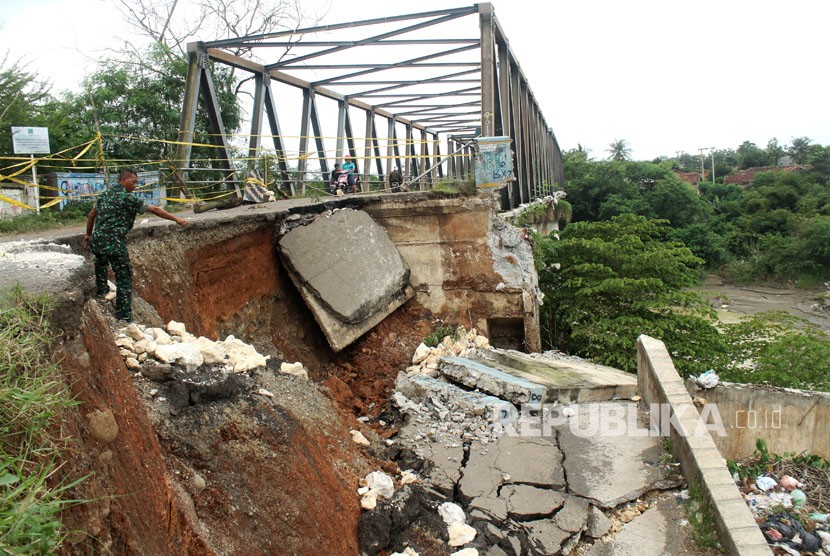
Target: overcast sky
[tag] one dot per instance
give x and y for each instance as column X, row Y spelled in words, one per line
column 664, row 75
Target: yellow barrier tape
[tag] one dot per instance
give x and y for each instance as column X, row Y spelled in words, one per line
column 15, row 202
column 54, row 201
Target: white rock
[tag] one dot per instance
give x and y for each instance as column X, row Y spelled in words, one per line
column 134, row 332
column 421, row 353
column 406, row 552
column 242, row 356
column 177, row 328
column 381, row 483
column 264, row 392
column 132, row 363
column 295, row 369
column 161, row 337
column 369, row 500
column 358, row 438
column 210, row 350
column 482, row 342
column 362, row 490
column 460, row 534
column 198, row 483
column 451, row 513
column 458, row 347
column 407, row 477
column 466, row 552
column 125, row 343
column 127, row 353
column 142, row 357
column 183, row 355
column 140, row 346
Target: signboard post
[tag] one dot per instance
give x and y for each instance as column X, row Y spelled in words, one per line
column 31, row 141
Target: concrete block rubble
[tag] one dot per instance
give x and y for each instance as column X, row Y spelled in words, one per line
column 510, row 494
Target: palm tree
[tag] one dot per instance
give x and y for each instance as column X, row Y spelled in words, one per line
column 798, row 150
column 619, row 150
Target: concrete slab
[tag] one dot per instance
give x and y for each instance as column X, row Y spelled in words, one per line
column 606, row 459
column 501, row 383
column 348, row 271
column 567, row 379
column 656, row 532
column 535, row 461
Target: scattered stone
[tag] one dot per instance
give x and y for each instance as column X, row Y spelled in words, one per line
column 294, row 369
column 198, row 483
column 102, row 425
column 358, row 438
column 134, row 332
column 132, row 363
column 157, row 371
column 460, row 534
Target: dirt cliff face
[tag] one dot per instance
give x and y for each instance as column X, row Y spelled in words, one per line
column 240, row 473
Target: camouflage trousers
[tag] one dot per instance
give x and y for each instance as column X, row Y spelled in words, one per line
column 123, row 271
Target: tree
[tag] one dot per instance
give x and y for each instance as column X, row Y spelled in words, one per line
column 798, row 149
column 21, row 95
column 619, row 150
column 751, row 156
column 774, row 151
column 605, row 283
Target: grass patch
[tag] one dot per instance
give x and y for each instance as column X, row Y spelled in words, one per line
column 32, row 397
column 72, row 215
column 455, row 186
column 701, row 520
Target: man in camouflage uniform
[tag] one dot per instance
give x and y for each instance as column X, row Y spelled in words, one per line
column 106, row 233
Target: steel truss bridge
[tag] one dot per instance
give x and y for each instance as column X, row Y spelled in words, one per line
column 434, row 80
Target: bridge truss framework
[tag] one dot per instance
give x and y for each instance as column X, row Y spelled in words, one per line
column 430, row 77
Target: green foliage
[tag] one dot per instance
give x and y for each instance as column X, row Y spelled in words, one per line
column 31, row 400
column 439, row 334
column 762, row 461
column 750, row 156
column 21, row 95
column 74, row 214
column 457, row 186
column 701, row 520
column 605, row 283
column 776, row 349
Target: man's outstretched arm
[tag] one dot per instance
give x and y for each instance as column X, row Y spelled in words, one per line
column 158, row 211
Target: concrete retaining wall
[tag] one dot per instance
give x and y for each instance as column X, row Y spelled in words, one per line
column 789, row 421
column 700, row 461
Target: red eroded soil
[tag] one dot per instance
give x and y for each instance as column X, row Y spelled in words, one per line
column 362, row 377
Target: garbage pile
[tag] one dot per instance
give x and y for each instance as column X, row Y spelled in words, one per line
column 789, row 520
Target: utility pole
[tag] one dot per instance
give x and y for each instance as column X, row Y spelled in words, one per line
column 712, row 153
column 702, row 172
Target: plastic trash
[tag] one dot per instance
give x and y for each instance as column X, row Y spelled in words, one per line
column 709, row 379
column 765, row 483
column 789, row 483
column 799, row 498
column 817, row 517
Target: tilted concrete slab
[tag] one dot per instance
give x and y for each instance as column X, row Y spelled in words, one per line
column 348, row 271
column 567, row 379
column 538, row 378
column 499, row 383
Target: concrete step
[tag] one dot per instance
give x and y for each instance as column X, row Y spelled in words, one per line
column 538, row 378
